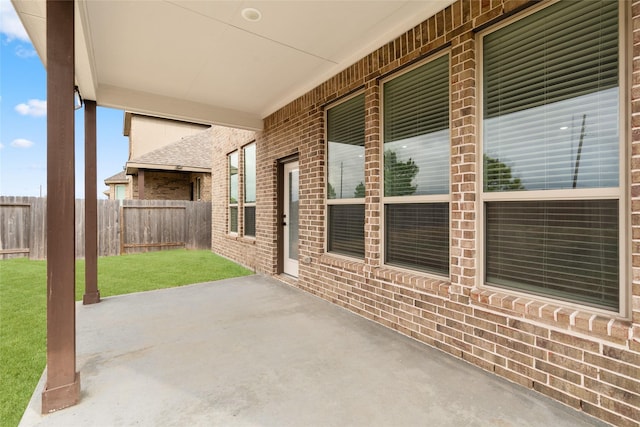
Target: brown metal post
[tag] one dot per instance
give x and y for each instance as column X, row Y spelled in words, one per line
column 63, row 382
column 141, row 184
column 91, row 292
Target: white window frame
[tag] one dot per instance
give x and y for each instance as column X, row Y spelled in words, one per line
column 246, row 204
column 622, row 193
column 231, row 205
column 419, row 199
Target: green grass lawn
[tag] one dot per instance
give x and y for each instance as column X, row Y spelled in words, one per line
column 23, row 285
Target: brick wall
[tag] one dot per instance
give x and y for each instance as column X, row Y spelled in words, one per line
column 205, row 185
column 159, row 185
column 588, row 360
column 234, row 246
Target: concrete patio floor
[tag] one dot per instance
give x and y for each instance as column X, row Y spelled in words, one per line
column 253, row 351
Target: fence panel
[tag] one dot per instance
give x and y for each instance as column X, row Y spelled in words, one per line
column 199, row 225
column 127, row 226
column 15, row 228
column 153, row 225
column 108, row 227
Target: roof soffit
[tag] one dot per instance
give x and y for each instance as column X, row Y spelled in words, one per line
column 202, row 62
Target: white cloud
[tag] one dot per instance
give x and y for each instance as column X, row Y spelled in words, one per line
column 25, row 52
column 33, row 107
column 21, row 143
column 10, row 24
column 1, row 145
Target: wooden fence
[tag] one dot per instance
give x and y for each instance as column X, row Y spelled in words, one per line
column 126, row 226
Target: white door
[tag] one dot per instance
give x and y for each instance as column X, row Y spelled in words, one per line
column 290, row 219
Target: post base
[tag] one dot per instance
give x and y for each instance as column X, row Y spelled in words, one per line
column 91, row 298
column 61, row 397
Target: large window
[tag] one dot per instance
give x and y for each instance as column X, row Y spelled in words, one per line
column 345, row 177
column 249, row 190
column 233, row 192
column 551, row 153
column 416, row 167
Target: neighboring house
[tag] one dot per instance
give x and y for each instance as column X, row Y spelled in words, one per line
column 119, row 186
column 168, row 159
column 468, row 186
column 177, row 171
column 147, row 133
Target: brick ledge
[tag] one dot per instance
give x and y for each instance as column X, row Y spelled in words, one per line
column 599, row 325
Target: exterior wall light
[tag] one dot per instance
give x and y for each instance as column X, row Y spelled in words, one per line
column 77, row 99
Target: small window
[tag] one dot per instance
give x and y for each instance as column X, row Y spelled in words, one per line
column 233, row 192
column 250, row 190
column 120, row 192
column 416, row 167
column 551, row 154
column 345, row 177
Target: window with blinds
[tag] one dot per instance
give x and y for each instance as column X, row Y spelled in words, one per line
column 233, row 192
column 249, row 206
column 551, row 101
column 416, row 167
column 345, row 177
column 417, row 236
column 346, row 229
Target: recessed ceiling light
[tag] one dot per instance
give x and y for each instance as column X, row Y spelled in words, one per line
column 251, row 14
column 564, row 128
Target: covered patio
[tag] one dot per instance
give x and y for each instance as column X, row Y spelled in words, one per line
column 217, row 63
column 254, row 351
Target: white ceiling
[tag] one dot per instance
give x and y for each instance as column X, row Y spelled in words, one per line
column 202, row 61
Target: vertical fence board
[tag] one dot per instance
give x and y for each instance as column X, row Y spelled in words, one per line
column 127, row 226
column 38, row 228
column 15, row 228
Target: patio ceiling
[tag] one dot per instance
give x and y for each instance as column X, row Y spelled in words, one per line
column 201, row 61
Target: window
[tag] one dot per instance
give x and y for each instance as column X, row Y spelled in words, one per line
column 345, row 177
column 120, row 191
column 249, row 169
column 416, row 167
column 233, row 192
column 551, row 154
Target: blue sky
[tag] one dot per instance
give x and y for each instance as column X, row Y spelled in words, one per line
column 23, row 120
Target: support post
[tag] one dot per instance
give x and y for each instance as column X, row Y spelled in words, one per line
column 141, row 184
column 62, row 388
column 91, row 292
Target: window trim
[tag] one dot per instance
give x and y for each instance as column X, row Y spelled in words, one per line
column 229, row 204
column 245, row 204
column 343, row 201
column 622, row 193
column 420, row 199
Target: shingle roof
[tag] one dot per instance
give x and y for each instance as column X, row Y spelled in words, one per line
column 195, row 151
column 120, row 177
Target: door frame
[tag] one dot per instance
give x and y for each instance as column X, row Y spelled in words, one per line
column 280, row 210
